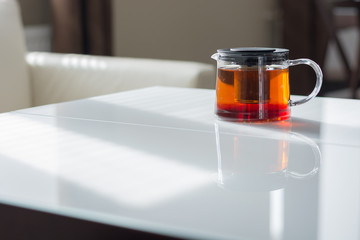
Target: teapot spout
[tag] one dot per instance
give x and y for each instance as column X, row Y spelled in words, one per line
column 215, row 56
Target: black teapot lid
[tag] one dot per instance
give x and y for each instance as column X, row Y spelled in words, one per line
column 250, row 55
column 255, row 50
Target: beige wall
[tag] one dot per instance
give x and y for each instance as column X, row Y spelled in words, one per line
column 191, row 29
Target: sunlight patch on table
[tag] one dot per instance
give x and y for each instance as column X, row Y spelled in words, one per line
column 120, row 173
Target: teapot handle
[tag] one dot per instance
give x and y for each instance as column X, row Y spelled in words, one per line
column 319, row 79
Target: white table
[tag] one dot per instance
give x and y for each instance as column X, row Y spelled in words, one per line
column 157, row 160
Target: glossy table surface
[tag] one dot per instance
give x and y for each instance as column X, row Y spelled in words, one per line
column 158, row 160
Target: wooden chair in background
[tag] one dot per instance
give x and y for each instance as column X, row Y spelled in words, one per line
column 309, row 26
column 334, row 23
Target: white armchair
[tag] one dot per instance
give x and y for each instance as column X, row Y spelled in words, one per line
column 32, row 79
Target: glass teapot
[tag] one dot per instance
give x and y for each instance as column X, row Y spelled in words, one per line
column 253, row 84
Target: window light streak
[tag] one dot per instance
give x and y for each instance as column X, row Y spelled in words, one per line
column 74, row 62
column 276, row 214
column 121, row 173
column 36, row 59
column 84, row 62
column 67, row 61
column 155, row 104
column 16, row 132
column 339, row 197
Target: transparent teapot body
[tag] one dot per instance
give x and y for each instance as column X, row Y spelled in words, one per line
column 254, row 85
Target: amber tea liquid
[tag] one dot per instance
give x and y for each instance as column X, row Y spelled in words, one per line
column 253, row 94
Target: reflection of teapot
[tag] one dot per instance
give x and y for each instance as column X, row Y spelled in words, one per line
column 254, row 159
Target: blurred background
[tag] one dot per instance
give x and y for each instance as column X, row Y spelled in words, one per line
column 323, row 30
